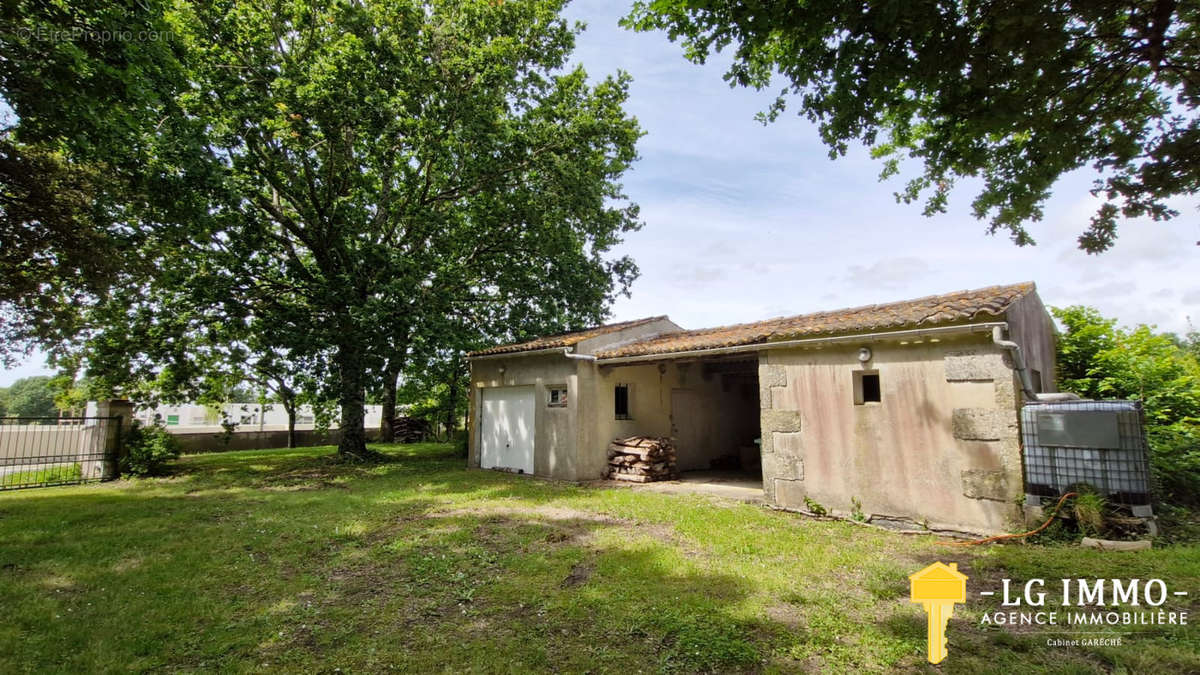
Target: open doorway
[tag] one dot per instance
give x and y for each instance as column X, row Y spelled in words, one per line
column 715, row 421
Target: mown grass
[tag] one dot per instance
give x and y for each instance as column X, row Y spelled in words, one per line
column 285, row 560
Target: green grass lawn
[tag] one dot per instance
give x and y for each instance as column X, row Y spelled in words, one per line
column 284, row 560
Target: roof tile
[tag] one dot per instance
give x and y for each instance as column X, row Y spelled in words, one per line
column 957, row 307
column 565, row 339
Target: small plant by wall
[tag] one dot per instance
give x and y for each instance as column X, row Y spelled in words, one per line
column 856, row 510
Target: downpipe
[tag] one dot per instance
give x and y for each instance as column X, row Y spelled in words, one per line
column 1018, row 361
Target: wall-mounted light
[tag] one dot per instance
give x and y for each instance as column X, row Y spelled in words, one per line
column 502, row 369
column 864, row 354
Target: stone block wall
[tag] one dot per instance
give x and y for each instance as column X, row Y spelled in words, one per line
column 941, row 448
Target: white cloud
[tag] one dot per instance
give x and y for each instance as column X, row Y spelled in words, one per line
column 888, row 273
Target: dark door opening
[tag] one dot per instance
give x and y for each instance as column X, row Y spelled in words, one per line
column 715, row 420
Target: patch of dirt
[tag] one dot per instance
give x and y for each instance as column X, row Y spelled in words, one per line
column 541, row 510
column 788, row 615
column 127, row 564
column 302, row 480
column 579, row 575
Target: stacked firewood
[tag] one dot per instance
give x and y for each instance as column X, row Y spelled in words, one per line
column 410, row 429
column 642, row 459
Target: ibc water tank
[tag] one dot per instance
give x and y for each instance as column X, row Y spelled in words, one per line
column 1074, row 445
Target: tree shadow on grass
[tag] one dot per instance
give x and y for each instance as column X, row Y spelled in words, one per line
column 220, row 569
column 541, row 591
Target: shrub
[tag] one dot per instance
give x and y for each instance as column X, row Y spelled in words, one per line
column 1175, row 463
column 148, row 449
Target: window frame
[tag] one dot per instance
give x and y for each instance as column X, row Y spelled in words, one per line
column 860, row 388
column 554, row 389
column 628, row 414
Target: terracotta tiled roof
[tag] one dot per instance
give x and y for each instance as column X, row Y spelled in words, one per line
column 952, row 308
column 565, row 339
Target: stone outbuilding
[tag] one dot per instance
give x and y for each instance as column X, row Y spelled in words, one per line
column 905, row 412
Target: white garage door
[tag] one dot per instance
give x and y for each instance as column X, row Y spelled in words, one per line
column 506, row 428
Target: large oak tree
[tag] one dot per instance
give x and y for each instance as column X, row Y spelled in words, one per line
column 351, row 172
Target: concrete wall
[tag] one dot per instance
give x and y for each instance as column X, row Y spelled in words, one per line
column 571, row 443
column 726, row 414
column 556, row 430
column 941, row 447
column 627, row 335
column 1030, row 325
column 561, row 432
column 245, row 415
column 218, row 441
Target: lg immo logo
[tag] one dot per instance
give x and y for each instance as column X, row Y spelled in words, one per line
column 1074, row 605
column 938, row 588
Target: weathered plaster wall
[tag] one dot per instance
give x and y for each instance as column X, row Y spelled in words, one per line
column 556, row 429
column 610, row 340
column 727, row 414
column 940, row 447
column 569, row 443
column 1030, row 325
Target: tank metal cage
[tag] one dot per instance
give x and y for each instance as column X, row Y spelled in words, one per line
column 1074, row 445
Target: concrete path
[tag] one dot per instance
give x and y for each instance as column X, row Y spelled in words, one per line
column 730, row 484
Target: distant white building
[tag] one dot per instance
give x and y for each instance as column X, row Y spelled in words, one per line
column 247, row 416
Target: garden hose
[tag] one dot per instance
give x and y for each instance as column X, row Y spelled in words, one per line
column 1000, row 537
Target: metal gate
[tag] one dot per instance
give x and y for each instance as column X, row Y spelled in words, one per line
column 41, row 451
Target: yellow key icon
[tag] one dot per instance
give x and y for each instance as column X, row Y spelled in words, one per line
column 937, row 588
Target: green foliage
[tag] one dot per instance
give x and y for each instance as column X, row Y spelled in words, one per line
column 1098, row 359
column 1088, row 508
column 85, row 163
column 29, row 397
column 1014, row 92
column 1176, row 463
column 148, row 449
column 814, row 506
column 436, row 389
column 367, row 170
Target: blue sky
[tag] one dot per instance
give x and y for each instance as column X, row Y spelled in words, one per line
column 745, row 222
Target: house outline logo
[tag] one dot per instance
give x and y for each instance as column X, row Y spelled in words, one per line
column 937, row 588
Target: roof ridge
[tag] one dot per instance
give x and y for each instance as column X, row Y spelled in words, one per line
column 861, row 308
column 955, row 306
column 614, row 324
column 566, row 338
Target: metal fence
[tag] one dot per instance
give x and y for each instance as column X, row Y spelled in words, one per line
column 42, row 451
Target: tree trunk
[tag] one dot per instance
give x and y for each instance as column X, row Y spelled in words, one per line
column 353, row 444
column 387, row 427
column 453, row 402
column 291, row 413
